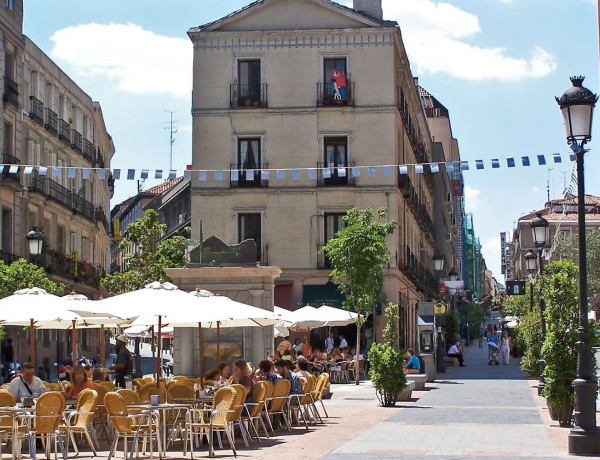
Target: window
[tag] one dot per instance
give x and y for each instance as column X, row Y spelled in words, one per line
column 73, row 242
column 333, row 224
column 249, row 79
column 7, row 230
column 335, row 86
column 250, row 228
column 335, row 161
column 8, row 139
column 10, row 4
column 60, row 238
column 85, row 249
column 9, row 65
column 248, row 159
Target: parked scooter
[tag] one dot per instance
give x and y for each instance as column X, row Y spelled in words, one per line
column 64, row 371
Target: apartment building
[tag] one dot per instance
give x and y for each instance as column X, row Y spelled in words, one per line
column 49, row 121
column 287, row 84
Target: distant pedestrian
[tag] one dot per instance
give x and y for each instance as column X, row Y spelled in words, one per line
column 480, row 340
column 505, row 347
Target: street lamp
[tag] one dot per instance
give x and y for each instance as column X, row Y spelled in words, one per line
column 453, row 275
column 531, row 265
column 577, row 105
column 35, row 239
column 438, row 262
column 438, row 266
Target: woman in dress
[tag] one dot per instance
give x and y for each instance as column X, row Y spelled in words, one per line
column 505, row 347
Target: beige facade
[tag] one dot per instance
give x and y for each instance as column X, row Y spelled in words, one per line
column 291, row 46
column 49, row 121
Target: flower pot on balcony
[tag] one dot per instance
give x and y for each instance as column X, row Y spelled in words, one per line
column 256, row 103
column 247, row 102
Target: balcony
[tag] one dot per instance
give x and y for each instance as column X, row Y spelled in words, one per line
column 36, row 110
column 63, row 196
column 327, row 95
column 247, row 178
column 69, row 267
column 11, row 92
column 88, row 150
column 420, row 275
column 51, row 121
column 7, row 160
column 76, row 141
column 100, row 216
column 418, row 209
column 64, row 131
column 248, row 96
column 323, row 262
column 335, row 176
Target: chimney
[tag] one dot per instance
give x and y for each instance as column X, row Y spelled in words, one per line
column 369, row 7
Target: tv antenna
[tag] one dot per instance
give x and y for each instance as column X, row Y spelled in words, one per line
column 171, row 126
column 548, row 184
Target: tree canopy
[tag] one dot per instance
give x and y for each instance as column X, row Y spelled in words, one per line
column 20, row 274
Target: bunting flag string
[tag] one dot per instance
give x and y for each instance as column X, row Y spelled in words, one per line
column 281, row 174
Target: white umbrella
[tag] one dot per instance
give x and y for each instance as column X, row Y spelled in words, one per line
column 307, row 318
column 337, row 316
column 279, row 331
column 285, row 316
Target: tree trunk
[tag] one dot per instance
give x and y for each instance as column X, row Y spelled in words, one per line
column 356, row 369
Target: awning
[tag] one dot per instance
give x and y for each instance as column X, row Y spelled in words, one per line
column 321, row 294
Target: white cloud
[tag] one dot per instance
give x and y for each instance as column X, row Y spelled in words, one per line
column 472, row 198
column 437, row 34
column 136, row 60
column 535, row 189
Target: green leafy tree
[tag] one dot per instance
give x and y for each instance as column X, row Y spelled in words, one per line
column 567, row 247
column 472, row 314
column 386, row 372
column 149, row 258
column 358, row 254
column 449, row 328
column 390, row 330
column 20, row 274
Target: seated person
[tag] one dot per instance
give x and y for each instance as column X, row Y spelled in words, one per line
column 281, row 366
column 317, row 356
column 455, row 352
column 27, row 384
column 412, row 364
column 241, row 375
column 302, row 368
column 224, row 371
column 336, row 357
column 79, row 382
column 212, row 374
column 265, row 371
column 101, row 375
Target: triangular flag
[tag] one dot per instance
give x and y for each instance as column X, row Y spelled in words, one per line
column 479, row 164
column 280, row 174
column 356, row 171
column 56, row 172
column 510, row 162
column 495, row 163
column 312, row 174
column 158, row 174
column 101, row 174
column 341, row 172
column 434, row 168
column 187, row 174
column 86, row 173
column 296, row 174
column 449, row 168
column 235, row 175
column 402, row 170
column 464, row 165
column 371, row 170
column 219, row 175
column 249, row 175
column 130, row 174
column 14, row 169
column 557, row 158
column 327, row 173
column 28, row 170
column 71, row 173
column 43, row 171
column 525, row 161
column 202, row 176
column 419, row 169
column 541, row 160
column 264, row 174
column 172, row 174
column 116, row 174
column 144, row 174
column 387, row 170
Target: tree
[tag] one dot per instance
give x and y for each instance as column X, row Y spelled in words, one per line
column 390, row 330
column 471, row 314
column 20, row 274
column 357, row 254
column 149, row 258
column 567, row 247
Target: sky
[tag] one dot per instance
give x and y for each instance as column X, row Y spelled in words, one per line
column 496, row 65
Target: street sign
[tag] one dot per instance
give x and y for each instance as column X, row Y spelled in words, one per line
column 440, row 309
column 515, row 288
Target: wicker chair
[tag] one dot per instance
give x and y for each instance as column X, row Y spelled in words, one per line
column 240, row 399
column 100, row 424
column 129, row 396
column 151, row 389
column 311, row 400
column 319, row 391
column 269, row 395
column 254, row 409
column 44, row 424
column 54, row 387
column 178, row 393
column 281, row 391
column 130, row 426
column 219, row 419
column 6, row 417
column 108, row 384
column 136, row 384
column 81, row 420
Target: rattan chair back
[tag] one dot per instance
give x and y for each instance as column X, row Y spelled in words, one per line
column 129, row 396
column 116, row 408
column 281, row 390
column 259, row 395
column 49, row 412
column 225, row 399
column 87, row 401
column 180, row 392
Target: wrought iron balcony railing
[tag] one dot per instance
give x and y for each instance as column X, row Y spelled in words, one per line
column 51, row 121
column 247, row 177
column 330, row 175
column 329, row 95
column 11, row 92
column 248, row 96
column 64, row 131
column 36, row 110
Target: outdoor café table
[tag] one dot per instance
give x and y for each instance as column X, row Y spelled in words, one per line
column 16, row 411
column 161, row 409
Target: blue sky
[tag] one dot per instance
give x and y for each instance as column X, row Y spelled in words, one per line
column 495, row 64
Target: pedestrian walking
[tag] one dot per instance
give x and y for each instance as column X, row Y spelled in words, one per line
column 505, row 348
column 480, row 340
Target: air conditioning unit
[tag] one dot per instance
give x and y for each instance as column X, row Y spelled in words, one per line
column 448, row 237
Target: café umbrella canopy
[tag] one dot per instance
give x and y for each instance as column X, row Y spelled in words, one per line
column 306, row 318
column 337, row 316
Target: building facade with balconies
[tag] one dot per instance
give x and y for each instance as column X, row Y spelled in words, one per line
column 49, row 121
column 311, row 90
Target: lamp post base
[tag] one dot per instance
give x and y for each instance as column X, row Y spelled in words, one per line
column 582, row 442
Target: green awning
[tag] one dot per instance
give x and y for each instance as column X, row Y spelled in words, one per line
column 321, row 294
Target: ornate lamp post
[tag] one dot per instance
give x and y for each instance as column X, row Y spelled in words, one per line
column 35, row 239
column 577, row 105
column 438, row 266
column 531, row 265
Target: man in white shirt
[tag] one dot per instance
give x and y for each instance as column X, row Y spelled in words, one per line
column 329, row 343
column 343, row 343
column 26, row 385
column 455, row 352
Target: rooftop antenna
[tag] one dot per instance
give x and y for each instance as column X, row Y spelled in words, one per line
column 548, row 185
column 170, row 125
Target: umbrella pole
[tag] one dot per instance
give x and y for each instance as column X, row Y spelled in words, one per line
column 31, row 342
column 152, row 346
column 200, row 356
column 218, row 341
column 158, row 350
column 73, row 345
column 102, row 346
